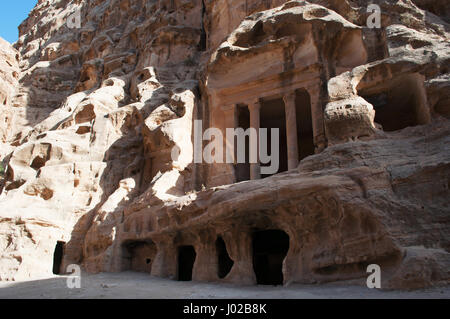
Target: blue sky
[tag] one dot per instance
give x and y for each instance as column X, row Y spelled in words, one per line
column 12, row 13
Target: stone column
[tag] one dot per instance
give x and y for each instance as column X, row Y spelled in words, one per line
column 255, row 121
column 291, row 130
column 320, row 141
column 239, row 245
column 165, row 264
column 206, row 265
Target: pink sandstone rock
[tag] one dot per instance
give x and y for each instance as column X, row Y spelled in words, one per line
column 91, row 116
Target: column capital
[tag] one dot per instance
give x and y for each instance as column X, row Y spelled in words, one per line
column 228, row 108
column 289, row 97
column 254, row 104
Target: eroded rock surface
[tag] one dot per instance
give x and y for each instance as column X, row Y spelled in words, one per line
column 92, row 116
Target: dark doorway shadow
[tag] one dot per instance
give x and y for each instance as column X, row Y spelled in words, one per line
column 225, row 263
column 57, row 257
column 304, row 124
column 186, row 260
column 270, row 248
column 273, row 116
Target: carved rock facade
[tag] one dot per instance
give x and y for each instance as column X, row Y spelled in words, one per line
column 92, row 116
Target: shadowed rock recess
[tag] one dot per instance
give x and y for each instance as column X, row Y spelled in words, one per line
column 90, row 116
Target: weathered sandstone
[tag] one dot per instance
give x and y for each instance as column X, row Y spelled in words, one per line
column 91, row 118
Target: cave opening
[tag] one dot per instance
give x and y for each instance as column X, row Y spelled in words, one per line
column 270, row 248
column 392, row 112
column 139, row 255
column 225, row 263
column 186, row 260
column 399, row 104
column 58, row 257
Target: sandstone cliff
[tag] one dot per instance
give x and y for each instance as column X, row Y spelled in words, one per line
column 91, row 116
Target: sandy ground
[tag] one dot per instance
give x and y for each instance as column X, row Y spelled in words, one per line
column 131, row 285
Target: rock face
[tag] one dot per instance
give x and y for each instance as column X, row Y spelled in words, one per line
column 98, row 132
column 9, row 75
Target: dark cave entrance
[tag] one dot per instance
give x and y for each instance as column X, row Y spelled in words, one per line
column 399, row 104
column 57, row 257
column 393, row 111
column 270, row 248
column 225, row 263
column 273, row 116
column 139, row 255
column 186, row 260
